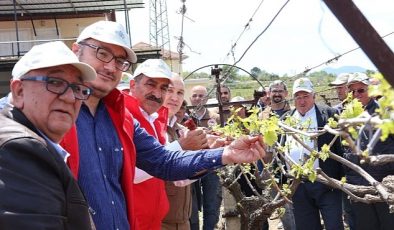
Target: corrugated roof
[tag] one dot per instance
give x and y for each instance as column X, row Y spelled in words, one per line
column 45, row 7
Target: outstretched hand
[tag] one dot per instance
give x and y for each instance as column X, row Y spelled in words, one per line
column 193, row 140
column 245, row 149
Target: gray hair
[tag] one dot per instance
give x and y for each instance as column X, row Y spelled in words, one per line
column 277, row 82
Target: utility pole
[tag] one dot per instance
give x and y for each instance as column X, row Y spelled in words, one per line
column 159, row 34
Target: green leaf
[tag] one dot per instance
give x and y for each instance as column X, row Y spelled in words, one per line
column 343, row 180
column 325, row 152
column 332, row 123
column 312, row 176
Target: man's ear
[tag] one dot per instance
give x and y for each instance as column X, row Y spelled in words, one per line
column 132, row 85
column 76, row 49
column 17, row 92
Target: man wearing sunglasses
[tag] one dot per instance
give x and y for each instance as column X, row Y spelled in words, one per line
column 375, row 215
column 107, row 143
column 37, row 189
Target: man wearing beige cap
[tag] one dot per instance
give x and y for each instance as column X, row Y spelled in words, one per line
column 37, row 189
column 313, row 199
column 375, row 215
column 340, row 86
column 107, row 143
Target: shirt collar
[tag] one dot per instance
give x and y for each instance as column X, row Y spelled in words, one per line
column 308, row 113
column 150, row 117
column 62, row 152
column 172, row 121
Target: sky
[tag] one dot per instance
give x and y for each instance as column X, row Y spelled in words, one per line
column 305, row 33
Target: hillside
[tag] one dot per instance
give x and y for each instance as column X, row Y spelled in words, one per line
column 344, row 69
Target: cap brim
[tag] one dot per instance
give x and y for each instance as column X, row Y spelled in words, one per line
column 304, row 90
column 130, row 53
column 156, row 75
column 365, row 82
column 336, row 83
column 87, row 72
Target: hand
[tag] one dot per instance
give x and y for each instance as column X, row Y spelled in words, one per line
column 215, row 141
column 193, row 140
column 245, row 149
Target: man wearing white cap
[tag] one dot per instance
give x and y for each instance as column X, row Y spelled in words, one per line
column 37, row 189
column 312, row 199
column 375, row 215
column 148, row 89
column 124, row 84
column 107, row 143
column 340, row 86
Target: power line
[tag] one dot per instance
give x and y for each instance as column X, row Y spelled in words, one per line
column 227, row 73
column 254, row 41
column 335, row 58
column 247, row 25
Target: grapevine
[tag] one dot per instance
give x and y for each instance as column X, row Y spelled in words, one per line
column 347, row 126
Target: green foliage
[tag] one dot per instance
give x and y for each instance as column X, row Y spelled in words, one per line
column 255, row 71
column 352, row 109
column 253, row 125
column 286, row 190
column 325, row 152
column 386, row 103
column 270, row 129
column 332, row 123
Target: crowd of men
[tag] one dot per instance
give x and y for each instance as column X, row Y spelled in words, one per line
column 76, row 152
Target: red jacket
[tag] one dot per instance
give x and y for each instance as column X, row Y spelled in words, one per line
column 124, row 125
column 151, row 202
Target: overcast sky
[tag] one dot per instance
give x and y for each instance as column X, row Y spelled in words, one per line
column 304, row 35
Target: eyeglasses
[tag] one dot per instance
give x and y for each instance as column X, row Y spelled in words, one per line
column 106, row 56
column 359, row 91
column 60, row 86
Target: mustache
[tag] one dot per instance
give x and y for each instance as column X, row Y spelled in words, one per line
column 153, row 98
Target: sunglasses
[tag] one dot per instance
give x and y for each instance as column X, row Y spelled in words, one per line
column 359, row 91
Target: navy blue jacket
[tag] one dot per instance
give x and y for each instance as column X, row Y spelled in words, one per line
column 331, row 167
column 386, row 147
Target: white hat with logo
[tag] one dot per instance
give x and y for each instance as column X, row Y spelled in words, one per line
column 48, row 55
column 302, row 84
column 109, row 32
column 358, row 77
column 154, row 68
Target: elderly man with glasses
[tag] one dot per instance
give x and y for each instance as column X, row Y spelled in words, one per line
column 37, row 189
column 376, row 215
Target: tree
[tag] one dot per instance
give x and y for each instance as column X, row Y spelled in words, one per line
column 255, row 71
column 252, row 210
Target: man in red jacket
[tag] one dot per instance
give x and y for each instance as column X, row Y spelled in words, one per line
column 147, row 91
column 107, row 143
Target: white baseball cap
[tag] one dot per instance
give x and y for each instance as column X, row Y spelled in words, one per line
column 48, row 55
column 109, row 32
column 124, row 81
column 358, row 77
column 154, row 68
column 302, row 84
column 340, row 79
